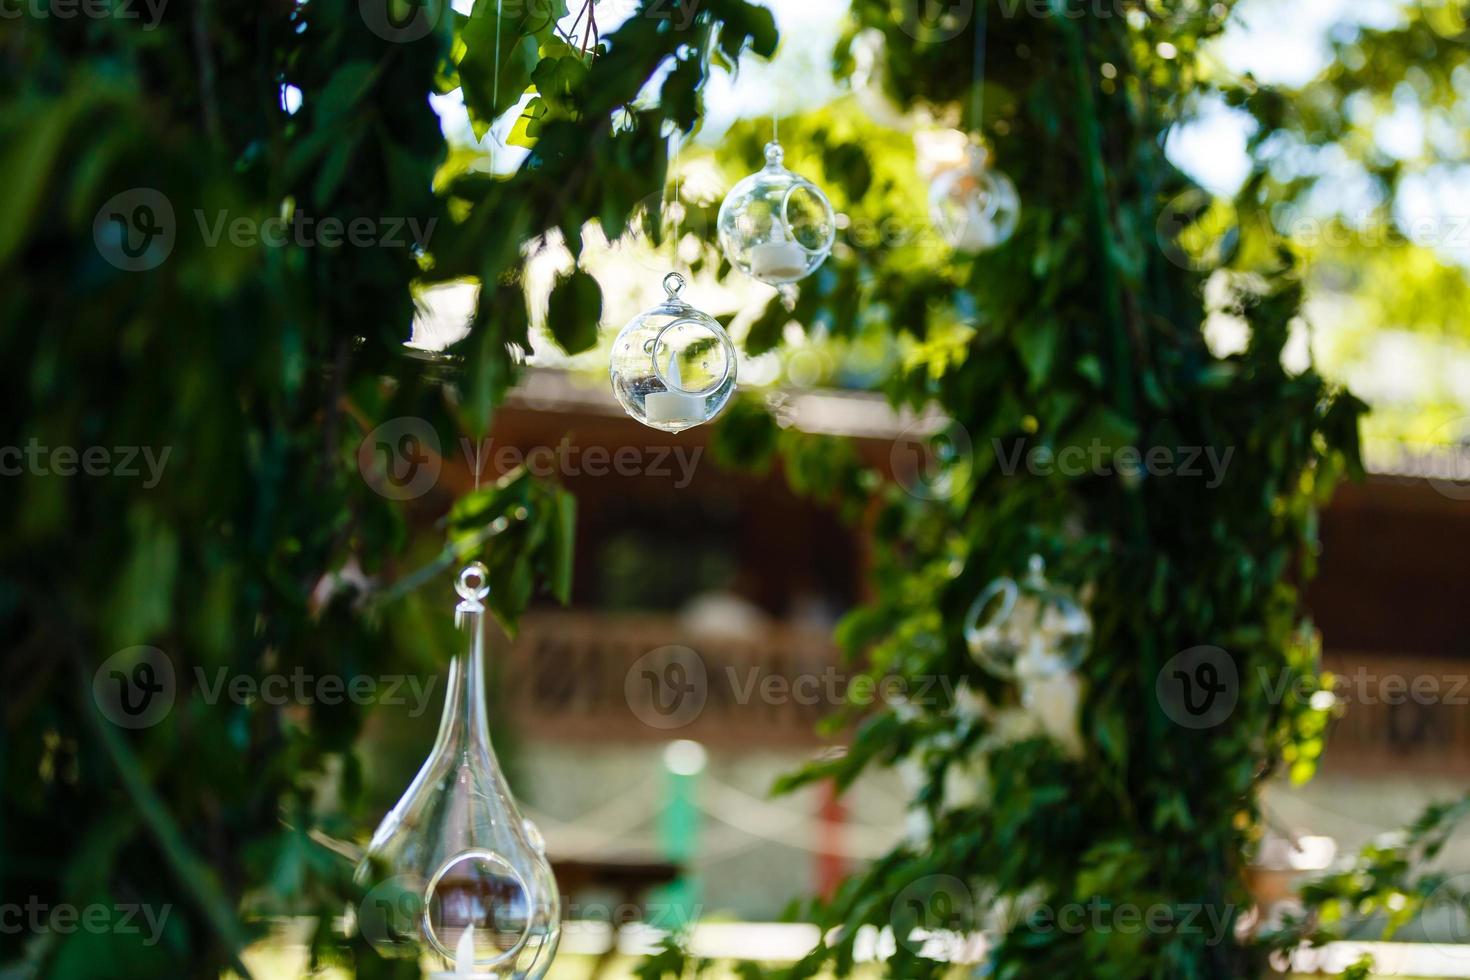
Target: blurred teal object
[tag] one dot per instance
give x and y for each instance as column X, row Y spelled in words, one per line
column 684, row 763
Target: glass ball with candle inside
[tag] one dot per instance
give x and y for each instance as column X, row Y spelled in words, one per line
column 673, row 367
column 1027, row 628
column 974, row 206
column 776, row 225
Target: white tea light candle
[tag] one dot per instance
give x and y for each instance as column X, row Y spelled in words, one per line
column 674, row 406
column 464, row 960
column 778, row 260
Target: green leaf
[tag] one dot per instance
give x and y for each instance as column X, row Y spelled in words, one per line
column 527, row 128
column 746, row 437
column 32, row 142
column 765, row 332
column 490, row 368
column 1037, row 343
column 522, row 29
column 564, row 557
column 574, row 312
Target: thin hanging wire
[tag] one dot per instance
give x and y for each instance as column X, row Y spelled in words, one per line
column 495, row 88
column 677, row 203
column 678, row 191
column 494, row 100
column 977, row 104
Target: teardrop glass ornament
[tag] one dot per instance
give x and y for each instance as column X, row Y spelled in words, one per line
column 776, row 225
column 454, row 869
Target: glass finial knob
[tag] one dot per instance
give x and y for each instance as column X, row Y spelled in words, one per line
column 474, row 582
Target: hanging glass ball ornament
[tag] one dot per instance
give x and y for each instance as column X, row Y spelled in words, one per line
column 1028, row 628
column 974, row 206
column 455, row 871
column 776, row 225
column 673, row 367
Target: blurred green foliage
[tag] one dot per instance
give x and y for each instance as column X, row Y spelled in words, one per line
column 259, row 366
column 264, row 548
column 1088, row 325
column 1337, row 187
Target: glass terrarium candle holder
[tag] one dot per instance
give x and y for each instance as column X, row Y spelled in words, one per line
column 673, row 367
column 456, row 873
column 974, row 206
column 776, row 225
column 1027, row 628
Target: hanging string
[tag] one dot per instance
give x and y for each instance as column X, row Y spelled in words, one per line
column 495, row 87
column 977, row 105
column 775, row 128
column 494, row 100
column 678, row 194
